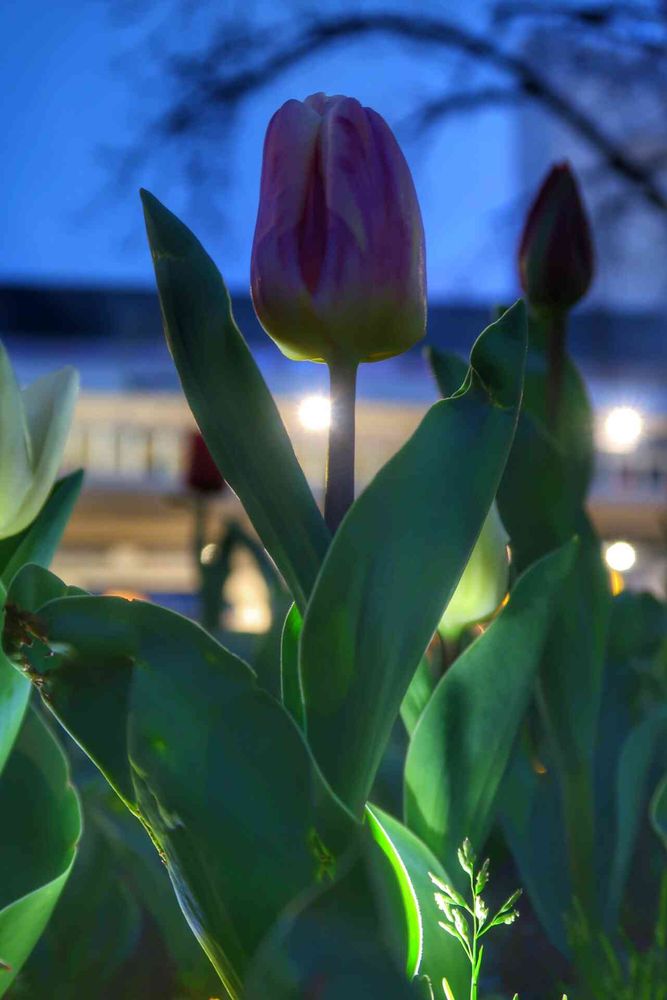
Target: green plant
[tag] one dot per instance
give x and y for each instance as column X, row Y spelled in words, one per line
column 41, row 817
column 468, row 922
column 621, row 970
column 214, row 766
column 257, row 786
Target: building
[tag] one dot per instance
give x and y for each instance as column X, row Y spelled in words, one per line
column 133, row 528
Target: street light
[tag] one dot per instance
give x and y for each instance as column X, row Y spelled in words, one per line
column 620, row 556
column 315, row 413
column 622, row 429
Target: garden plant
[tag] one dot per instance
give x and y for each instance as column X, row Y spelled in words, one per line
column 526, row 705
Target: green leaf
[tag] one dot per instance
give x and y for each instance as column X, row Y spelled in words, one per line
column 441, row 956
column 417, row 696
column 400, row 897
column 38, row 542
column 658, row 810
column 574, row 437
column 14, row 696
column 449, row 370
column 289, row 666
column 395, row 562
column 570, row 687
column 637, row 627
column 332, row 942
column 462, row 743
column 41, row 824
column 117, row 923
column 638, row 755
column 213, row 765
column 531, row 817
column 231, row 402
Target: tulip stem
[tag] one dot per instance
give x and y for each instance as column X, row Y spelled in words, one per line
column 556, row 363
column 340, row 462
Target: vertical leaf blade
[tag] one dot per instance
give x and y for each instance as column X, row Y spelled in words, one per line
column 231, row 402
column 396, row 559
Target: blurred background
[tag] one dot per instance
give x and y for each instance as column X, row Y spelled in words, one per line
column 104, row 96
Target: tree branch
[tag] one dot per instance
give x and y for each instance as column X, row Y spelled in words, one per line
column 429, row 31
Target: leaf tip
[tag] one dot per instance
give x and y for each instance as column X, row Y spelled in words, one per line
column 499, row 353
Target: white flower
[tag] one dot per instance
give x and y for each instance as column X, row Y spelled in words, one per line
column 483, row 586
column 34, row 424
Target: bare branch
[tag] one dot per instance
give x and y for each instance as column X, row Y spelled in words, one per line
column 431, row 112
column 435, row 33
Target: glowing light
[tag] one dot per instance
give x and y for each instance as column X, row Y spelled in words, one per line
column 208, row 553
column 616, row 582
column 623, row 428
column 128, row 595
column 315, row 413
column 620, row 556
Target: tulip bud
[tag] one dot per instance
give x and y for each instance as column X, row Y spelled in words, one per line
column 556, row 251
column 337, row 268
column 34, row 424
column 483, row 586
column 202, row 473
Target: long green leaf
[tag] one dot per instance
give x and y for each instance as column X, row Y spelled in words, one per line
column 334, row 941
column 399, row 896
column 441, row 956
column 231, row 402
column 460, row 747
column 417, row 696
column 290, row 683
column 529, row 806
column 119, row 892
column 41, row 824
column 213, row 765
column 396, row 559
column 39, row 541
column 638, row 755
column 658, row 810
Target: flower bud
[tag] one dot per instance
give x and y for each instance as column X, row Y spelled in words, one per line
column 483, row 585
column 201, row 474
column 337, row 267
column 34, row 424
column 556, row 251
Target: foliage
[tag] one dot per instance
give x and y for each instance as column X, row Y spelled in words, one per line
column 41, row 815
column 257, row 784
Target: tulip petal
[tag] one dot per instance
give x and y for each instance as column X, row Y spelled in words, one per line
column 49, row 407
column 15, row 473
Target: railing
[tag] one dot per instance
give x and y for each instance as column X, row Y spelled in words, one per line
column 138, row 442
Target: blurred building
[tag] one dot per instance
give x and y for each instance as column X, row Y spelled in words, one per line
column 133, row 527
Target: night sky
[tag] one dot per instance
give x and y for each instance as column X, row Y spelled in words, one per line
column 70, row 91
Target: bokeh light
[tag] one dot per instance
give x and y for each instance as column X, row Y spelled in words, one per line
column 623, row 428
column 315, row 413
column 620, row 556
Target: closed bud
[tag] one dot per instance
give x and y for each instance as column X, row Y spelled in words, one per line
column 337, row 267
column 556, row 260
column 34, row 425
column 483, row 584
column 201, row 473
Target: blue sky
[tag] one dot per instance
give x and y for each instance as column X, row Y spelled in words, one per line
column 68, row 94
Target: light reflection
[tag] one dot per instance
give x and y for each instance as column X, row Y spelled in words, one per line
column 315, row 413
column 622, row 429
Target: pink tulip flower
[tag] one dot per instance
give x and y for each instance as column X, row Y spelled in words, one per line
column 337, row 271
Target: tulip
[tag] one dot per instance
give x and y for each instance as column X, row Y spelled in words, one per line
column 556, row 251
column 337, row 268
column 34, row 424
column 483, row 586
column 202, row 473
